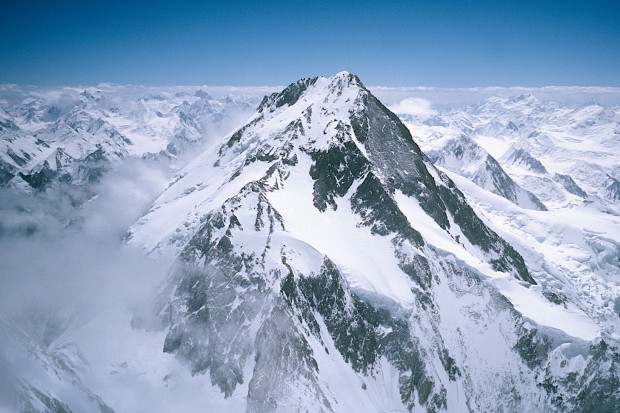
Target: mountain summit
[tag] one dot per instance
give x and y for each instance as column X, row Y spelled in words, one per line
column 320, row 262
column 346, row 142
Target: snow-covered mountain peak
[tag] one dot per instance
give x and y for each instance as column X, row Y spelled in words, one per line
column 498, row 106
column 343, row 141
column 516, row 102
column 524, row 99
column 520, row 157
column 309, row 115
column 93, row 97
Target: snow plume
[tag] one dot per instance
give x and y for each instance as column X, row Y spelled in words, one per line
column 415, row 107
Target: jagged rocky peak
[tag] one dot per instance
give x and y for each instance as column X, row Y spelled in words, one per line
column 526, row 98
column 89, row 96
column 290, row 95
column 202, row 94
column 525, row 101
column 570, row 185
column 613, row 188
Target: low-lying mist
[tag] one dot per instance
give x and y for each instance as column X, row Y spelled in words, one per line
column 61, row 250
column 63, row 262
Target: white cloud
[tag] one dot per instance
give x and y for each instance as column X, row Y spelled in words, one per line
column 450, row 98
column 414, row 107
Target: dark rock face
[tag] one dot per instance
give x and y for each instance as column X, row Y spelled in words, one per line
column 570, row 185
column 40, row 179
column 598, row 387
column 396, row 155
column 613, row 189
column 404, row 167
column 521, row 157
column 7, row 172
column 594, row 390
column 380, row 212
column 335, row 169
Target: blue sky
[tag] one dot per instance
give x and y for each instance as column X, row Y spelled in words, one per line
column 392, row 43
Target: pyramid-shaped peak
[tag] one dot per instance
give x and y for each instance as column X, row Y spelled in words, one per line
column 342, row 73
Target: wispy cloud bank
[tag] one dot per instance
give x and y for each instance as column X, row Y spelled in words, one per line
column 417, row 107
